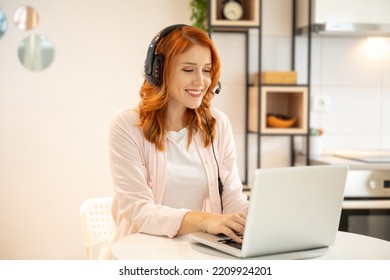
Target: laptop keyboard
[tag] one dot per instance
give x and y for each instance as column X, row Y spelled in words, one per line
column 231, row 242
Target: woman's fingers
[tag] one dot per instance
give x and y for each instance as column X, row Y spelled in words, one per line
column 234, row 236
column 236, row 226
column 232, row 225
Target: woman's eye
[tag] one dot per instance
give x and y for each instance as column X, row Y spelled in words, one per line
column 187, row 70
column 207, row 70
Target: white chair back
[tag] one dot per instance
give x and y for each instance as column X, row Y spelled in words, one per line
column 97, row 223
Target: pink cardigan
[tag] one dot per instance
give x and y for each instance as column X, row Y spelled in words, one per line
column 139, row 170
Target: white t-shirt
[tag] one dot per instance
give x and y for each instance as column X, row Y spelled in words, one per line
column 186, row 184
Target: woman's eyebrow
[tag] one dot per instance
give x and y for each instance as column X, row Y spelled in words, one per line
column 193, row 63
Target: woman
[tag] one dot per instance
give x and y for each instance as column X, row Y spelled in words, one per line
column 168, row 155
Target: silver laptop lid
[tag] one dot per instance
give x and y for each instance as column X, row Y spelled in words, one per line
column 294, row 208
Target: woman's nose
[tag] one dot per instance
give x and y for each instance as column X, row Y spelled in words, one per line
column 199, row 78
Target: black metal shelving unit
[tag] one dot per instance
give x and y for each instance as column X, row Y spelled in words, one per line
column 244, row 29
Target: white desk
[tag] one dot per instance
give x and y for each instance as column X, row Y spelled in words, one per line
column 348, row 246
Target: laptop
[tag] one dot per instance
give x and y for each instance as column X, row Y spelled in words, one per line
column 293, row 210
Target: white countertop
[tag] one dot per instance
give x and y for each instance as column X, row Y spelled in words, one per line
column 333, row 157
column 348, row 246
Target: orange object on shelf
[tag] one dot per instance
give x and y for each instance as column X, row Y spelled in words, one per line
column 277, row 122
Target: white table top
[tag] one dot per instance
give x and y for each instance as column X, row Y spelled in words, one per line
column 348, row 246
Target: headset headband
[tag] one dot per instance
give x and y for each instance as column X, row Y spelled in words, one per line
column 153, row 45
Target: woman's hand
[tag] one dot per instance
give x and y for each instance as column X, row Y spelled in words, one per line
column 232, row 225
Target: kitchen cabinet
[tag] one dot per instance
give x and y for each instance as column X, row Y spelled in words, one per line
column 345, row 17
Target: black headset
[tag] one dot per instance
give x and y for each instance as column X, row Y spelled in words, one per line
column 154, row 62
column 220, row 185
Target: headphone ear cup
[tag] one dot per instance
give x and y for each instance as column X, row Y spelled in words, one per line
column 157, row 70
column 154, row 63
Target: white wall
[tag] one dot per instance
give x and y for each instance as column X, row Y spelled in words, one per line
column 355, row 76
column 53, row 124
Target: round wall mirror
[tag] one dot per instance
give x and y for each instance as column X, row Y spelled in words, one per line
column 26, row 18
column 3, row 23
column 36, row 52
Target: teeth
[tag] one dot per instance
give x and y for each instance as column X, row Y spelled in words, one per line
column 195, row 92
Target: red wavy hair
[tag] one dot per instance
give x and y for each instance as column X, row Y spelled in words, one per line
column 154, row 99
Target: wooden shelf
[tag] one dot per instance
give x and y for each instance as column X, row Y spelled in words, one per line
column 286, row 100
column 250, row 18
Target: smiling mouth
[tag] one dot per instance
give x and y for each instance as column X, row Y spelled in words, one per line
column 194, row 93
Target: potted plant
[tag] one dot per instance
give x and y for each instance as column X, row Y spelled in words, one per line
column 199, row 14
